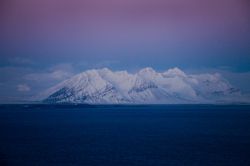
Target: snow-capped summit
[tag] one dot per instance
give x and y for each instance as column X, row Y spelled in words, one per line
column 147, row 70
column 103, row 86
column 174, row 72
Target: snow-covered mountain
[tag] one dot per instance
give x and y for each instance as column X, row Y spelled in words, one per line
column 103, row 86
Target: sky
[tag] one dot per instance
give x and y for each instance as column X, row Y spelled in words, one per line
column 43, row 42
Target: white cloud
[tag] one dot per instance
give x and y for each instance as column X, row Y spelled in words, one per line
column 23, row 88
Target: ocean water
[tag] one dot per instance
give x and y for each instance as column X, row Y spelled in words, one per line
column 153, row 135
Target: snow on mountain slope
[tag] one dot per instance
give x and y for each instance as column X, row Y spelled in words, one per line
column 147, row 86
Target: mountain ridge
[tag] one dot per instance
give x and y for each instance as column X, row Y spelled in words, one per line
column 173, row 86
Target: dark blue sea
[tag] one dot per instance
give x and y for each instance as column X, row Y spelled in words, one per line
column 152, row 135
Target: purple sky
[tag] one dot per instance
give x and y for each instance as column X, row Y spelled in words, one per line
column 82, row 26
column 37, row 36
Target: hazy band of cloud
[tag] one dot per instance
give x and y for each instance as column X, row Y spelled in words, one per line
column 23, row 88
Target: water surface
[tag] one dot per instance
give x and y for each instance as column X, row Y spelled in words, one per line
column 82, row 135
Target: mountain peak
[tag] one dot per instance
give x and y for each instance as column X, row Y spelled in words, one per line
column 147, row 70
column 174, row 72
column 105, row 69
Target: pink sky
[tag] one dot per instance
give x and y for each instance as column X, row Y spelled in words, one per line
column 124, row 24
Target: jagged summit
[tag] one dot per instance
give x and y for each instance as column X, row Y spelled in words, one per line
column 103, row 86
